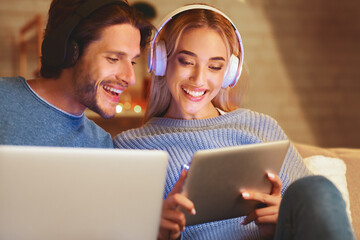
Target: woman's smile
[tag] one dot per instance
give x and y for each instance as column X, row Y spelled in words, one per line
column 194, row 93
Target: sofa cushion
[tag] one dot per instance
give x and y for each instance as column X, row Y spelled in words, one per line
column 351, row 157
column 335, row 170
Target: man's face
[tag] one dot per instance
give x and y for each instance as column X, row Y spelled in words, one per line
column 106, row 69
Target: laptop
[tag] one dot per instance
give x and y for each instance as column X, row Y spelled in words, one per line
column 79, row 193
column 216, row 176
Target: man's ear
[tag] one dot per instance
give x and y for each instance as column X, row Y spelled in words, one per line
column 72, row 54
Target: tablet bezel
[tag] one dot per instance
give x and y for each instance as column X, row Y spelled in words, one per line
column 215, row 177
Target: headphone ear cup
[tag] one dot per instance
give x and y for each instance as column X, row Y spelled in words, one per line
column 160, row 59
column 231, row 72
column 72, row 54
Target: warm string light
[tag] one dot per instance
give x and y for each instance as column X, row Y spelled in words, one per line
column 122, row 107
column 119, row 108
column 137, row 108
column 128, row 105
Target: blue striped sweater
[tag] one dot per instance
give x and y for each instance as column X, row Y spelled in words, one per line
column 182, row 138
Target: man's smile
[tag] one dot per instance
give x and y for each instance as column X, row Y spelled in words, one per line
column 113, row 91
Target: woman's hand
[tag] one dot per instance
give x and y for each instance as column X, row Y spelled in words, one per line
column 172, row 219
column 266, row 218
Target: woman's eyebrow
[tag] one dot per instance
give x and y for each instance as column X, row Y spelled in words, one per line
column 188, row 53
column 217, row 58
column 194, row 55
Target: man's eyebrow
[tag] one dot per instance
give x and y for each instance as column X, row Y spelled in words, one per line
column 116, row 52
column 194, row 55
column 122, row 53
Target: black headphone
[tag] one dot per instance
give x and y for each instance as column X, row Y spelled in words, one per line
column 57, row 50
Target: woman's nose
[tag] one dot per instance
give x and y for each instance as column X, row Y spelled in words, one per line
column 198, row 75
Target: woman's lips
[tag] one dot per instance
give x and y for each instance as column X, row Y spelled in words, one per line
column 194, row 93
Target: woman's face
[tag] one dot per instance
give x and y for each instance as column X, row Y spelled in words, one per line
column 195, row 73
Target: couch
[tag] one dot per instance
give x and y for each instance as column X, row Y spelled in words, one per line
column 351, row 158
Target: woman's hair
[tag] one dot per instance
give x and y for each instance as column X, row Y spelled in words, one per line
column 90, row 28
column 160, row 96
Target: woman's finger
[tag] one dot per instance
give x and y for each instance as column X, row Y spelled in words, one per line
column 179, row 184
column 267, row 219
column 175, row 216
column 276, row 183
column 179, row 200
column 170, row 225
column 262, row 215
column 260, row 212
column 264, row 198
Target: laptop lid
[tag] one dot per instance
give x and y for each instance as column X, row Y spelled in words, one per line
column 79, row 193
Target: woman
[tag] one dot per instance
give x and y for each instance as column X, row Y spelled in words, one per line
column 196, row 58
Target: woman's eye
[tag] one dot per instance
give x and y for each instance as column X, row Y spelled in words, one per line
column 184, row 61
column 216, row 68
column 133, row 63
column 112, row 60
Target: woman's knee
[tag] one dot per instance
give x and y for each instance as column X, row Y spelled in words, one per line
column 314, row 190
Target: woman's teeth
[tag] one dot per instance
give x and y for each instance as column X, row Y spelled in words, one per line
column 194, row 93
column 112, row 90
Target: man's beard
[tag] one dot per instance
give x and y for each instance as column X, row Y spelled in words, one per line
column 86, row 93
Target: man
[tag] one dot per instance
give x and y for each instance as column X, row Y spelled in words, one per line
column 87, row 59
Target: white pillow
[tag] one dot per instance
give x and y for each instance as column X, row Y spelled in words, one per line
column 335, row 170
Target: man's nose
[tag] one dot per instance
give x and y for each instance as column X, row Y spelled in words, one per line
column 126, row 74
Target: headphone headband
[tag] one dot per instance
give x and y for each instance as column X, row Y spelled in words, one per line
column 54, row 46
column 193, row 7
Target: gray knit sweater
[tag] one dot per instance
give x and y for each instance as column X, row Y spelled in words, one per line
column 182, row 138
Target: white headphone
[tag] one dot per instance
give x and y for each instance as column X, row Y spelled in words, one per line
column 157, row 58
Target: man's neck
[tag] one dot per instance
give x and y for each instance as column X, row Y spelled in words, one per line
column 58, row 92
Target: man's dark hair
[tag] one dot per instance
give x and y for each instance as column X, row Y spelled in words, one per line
column 90, row 28
column 146, row 9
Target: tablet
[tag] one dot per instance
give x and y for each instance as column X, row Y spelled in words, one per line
column 215, row 177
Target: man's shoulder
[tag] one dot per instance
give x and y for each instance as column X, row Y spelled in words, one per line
column 9, row 84
column 96, row 132
column 11, row 80
column 92, row 126
column 12, row 90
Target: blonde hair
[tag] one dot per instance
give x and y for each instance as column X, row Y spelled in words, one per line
column 227, row 99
